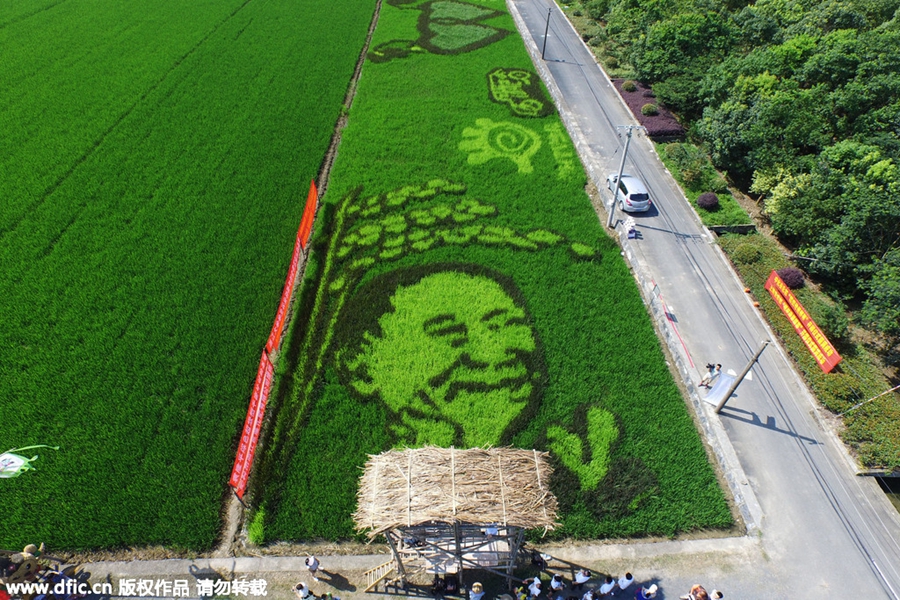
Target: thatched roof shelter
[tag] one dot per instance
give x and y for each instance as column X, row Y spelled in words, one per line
column 506, row 486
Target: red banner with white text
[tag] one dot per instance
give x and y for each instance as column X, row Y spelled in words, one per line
column 240, row 472
column 818, row 345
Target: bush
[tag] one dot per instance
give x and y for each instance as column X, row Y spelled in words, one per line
column 746, row 254
column 831, row 318
column 792, row 277
column 577, row 12
column 629, row 86
column 696, row 171
column 708, row 201
column 597, row 9
column 612, row 62
column 839, row 392
column 649, row 109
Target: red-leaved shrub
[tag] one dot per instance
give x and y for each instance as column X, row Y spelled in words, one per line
column 792, row 277
column 708, row 201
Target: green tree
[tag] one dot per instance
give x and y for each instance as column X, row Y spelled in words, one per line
column 844, row 214
column 684, row 43
column 881, row 309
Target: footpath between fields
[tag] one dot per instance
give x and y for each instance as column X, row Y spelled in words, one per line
column 736, row 565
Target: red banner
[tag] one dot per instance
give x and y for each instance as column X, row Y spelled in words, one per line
column 819, row 346
column 309, row 213
column 240, row 472
column 274, row 340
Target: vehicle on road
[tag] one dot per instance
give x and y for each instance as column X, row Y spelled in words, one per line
column 633, row 196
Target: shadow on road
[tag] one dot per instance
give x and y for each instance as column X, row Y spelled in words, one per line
column 755, row 420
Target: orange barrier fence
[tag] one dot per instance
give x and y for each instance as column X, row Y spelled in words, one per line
column 240, row 472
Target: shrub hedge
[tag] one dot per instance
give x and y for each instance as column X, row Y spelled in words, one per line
column 692, row 169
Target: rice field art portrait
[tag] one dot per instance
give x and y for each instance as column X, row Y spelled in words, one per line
column 450, row 352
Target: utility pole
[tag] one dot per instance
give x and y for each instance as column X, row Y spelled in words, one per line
column 546, row 31
column 740, row 378
column 612, row 207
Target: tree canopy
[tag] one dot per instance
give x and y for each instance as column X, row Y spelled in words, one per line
column 799, row 102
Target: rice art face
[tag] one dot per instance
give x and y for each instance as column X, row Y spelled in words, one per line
column 451, row 360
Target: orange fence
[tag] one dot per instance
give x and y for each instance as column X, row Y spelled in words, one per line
column 240, row 472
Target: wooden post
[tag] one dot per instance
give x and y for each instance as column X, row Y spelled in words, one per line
column 390, row 538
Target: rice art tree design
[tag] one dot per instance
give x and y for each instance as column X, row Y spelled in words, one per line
column 366, row 230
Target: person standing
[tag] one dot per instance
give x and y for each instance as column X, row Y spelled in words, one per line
column 625, row 581
column 607, row 586
column 301, row 590
column 698, row 592
column 534, row 589
column 477, row 591
column 557, row 584
column 645, row 593
column 581, row 578
column 312, row 563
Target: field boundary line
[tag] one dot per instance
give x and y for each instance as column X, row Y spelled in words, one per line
column 21, row 18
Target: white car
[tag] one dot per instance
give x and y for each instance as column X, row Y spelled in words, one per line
column 633, row 196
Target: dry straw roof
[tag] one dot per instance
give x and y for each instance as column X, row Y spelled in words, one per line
column 402, row 488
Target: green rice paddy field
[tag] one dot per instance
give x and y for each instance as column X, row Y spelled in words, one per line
column 463, row 292
column 154, row 163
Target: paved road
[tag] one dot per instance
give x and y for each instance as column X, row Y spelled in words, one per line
column 824, row 531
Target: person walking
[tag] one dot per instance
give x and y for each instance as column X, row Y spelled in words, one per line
column 645, row 593
column 312, row 563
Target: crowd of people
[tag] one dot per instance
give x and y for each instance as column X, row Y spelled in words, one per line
column 583, row 586
column 580, row 590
